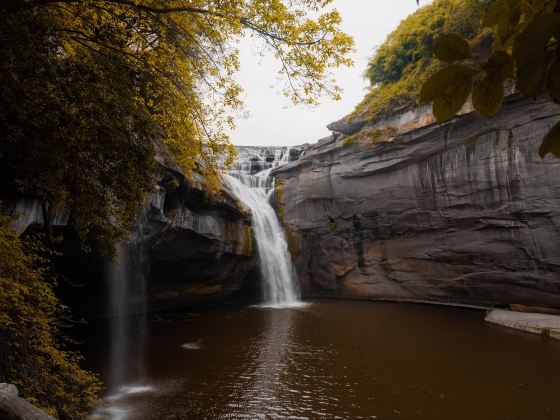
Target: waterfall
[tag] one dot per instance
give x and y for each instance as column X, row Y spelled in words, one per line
column 117, row 277
column 128, row 324
column 279, row 281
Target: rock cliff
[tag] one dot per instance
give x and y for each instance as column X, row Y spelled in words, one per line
column 408, row 209
column 200, row 248
column 187, row 248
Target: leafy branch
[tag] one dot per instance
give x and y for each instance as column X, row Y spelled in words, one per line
column 525, row 49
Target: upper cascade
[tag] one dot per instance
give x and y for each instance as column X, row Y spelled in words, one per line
column 253, row 159
column 254, row 189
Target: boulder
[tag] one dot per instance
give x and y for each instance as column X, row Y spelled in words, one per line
column 12, row 407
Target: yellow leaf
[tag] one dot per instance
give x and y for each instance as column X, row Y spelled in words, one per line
column 531, row 55
column 531, row 75
column 553, row 81
column 495, row 13
column 500, row 65
column 455, row 94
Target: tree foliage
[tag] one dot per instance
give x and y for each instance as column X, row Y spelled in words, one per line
column 31, row 351
column 526, row 48
column 88, row 84
column 72, row 133
column 412, row 42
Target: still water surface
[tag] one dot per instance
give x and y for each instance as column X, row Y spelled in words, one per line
column 339, row 360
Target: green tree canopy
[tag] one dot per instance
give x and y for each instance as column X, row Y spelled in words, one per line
column 412, row 41
column 32, row 353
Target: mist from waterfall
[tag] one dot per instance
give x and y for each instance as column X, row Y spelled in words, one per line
column 280, row 287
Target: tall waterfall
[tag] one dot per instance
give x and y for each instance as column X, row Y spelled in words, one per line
column 128, row 324
column 279, row 280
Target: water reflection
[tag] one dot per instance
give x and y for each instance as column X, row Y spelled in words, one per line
column 263, row 398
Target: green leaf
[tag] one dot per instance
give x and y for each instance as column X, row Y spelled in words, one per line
column 447, row 106
column 534, row 38
column 498, row 11
column 500, row 65
column 551, row 142
column 531, row 75
column 508, row 28
column 553, row 81
column 488, row 95
column 445, row 81
column 452, row 47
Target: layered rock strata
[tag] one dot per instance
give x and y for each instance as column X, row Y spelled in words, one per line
column 403, row 208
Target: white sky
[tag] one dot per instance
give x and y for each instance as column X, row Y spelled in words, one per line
column 273, row 120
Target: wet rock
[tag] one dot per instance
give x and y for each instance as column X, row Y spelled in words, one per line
column 191, row 248
column 465, row 211
column 200, row 248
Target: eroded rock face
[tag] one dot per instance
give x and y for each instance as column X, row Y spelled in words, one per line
column 466, row 211
column 200, row 249
column 188, row 249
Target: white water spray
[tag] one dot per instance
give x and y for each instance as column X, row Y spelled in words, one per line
column 279, row 280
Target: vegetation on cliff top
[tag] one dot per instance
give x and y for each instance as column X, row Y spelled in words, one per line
column 404, row 61
column 526, row 48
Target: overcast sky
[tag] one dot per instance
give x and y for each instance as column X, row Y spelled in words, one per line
column 272, row 119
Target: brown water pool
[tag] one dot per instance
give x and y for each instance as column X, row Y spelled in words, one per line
column 337, row 360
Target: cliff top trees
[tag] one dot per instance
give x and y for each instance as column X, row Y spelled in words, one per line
column 526, row 49
column 404, row 61
column 87, row 85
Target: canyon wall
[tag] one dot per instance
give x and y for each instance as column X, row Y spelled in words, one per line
column 200, row 248
column 187, row 248
column 408, row 209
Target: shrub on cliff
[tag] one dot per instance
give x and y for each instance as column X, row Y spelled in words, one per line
column 404, row 61
column 526, row 49
column 32, row 355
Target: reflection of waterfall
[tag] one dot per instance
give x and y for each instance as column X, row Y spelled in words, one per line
column 279, row 281
column 269, row 386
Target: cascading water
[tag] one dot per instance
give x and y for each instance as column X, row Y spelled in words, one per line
column 128, row 324
column 127, row 284
column 279, row 280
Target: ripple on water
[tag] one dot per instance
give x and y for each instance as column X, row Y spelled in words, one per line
column 342, row 360
column 128, row 390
